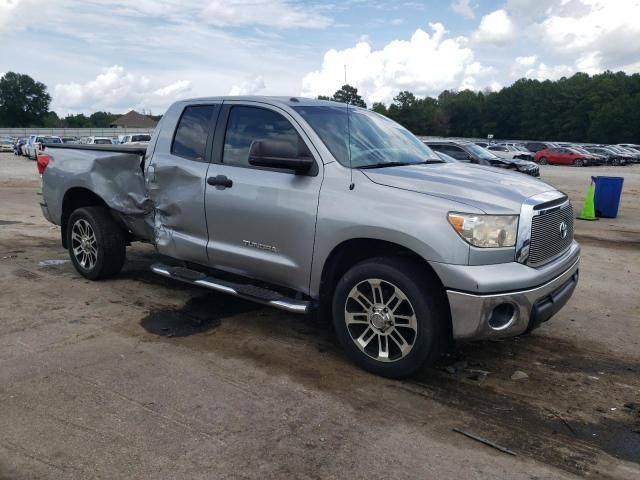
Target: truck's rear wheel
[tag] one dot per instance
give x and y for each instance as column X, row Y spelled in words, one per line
column 96, row 243
column 388, row 316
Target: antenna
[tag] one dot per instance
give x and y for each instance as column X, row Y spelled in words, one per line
column 351, row 184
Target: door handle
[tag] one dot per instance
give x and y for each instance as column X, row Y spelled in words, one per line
column 220, row 181
column 151, row 173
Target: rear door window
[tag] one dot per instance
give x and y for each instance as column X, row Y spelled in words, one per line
column 190, row 139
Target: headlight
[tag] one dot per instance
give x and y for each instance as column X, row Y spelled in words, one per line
column 487, row 231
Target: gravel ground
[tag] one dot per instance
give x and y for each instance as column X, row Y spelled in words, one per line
column 141, row 377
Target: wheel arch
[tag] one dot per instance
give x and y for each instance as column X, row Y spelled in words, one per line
column 350, row 252
column 74, row 198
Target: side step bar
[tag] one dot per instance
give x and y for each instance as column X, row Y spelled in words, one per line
column 246, row 291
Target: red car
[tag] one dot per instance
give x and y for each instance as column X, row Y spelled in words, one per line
column 562, row 156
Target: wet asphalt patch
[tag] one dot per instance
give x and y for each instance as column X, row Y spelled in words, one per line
column 198, row 315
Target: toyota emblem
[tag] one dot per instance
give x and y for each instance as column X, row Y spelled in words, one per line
column 564, row 230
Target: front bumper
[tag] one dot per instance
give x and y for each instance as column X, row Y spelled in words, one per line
column 473, row 316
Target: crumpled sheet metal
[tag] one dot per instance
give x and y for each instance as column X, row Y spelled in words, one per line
column 178, row 197
column 118, row 179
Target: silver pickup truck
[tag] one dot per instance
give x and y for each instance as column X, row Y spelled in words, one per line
column 311, row 205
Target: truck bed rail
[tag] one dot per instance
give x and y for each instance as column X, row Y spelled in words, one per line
column 139, row 149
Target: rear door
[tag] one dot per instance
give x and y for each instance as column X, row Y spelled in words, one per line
column 262, row 223
column 176, row 180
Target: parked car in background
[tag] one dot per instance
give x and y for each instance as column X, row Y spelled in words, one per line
column 629, row 152
column 535, row 147
column 71, row 140
column 17, row 146
column 613, row 157
column 99, row 141
column 139, row 138
column 29, row 148
column 510, row 152
column 6, row 145
column 36, row 143
column 562, row 156
column 471, row 153
column 482, row 144
column 444, row 157
column 596, row 158
column 630, row 146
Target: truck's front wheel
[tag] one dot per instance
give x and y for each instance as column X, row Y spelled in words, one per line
column 96, row 243
column 388, row 316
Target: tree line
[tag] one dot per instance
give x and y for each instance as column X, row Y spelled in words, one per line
column 603, row 108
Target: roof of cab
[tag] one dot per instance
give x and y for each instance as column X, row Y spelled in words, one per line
column 292, row 101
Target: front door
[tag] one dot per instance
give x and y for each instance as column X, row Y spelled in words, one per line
column 261, row 221
column 176, row 180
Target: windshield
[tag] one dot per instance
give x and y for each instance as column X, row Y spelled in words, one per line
column 375, row 140
column 102, row 141
column 141, row 138
column 51, row 140
column 579, row 150
column 480, row 152
column 616, row 149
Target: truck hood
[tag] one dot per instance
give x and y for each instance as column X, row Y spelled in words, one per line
column 490, row 189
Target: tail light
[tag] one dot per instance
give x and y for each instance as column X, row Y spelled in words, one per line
column 43, row 162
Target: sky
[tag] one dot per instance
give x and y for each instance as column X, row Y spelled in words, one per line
column 115, row 55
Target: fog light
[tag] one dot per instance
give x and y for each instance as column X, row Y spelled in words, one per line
column 501, row 316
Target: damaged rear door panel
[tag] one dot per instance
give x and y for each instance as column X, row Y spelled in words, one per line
column 176, row 181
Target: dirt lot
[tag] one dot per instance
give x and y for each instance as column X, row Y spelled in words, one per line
column 141, row 377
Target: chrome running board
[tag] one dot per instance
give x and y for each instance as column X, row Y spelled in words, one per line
column 247, row 291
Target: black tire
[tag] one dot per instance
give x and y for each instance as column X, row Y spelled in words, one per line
column 425, row 298
column 578, row 162
column 110, row 243
column 544, row 161
column 615, row 162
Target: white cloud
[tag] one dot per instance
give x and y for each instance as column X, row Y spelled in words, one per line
column 464, row 8
column 530, row 67
column 495, row 28
column 116, row 90
column 397, row 21
column 426, row 64
column 272, row 13
column 250, row 86
column 604, row 33
column 521, row 65
column 14, row 12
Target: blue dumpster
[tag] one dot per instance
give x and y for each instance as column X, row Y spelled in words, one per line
column 607, row 196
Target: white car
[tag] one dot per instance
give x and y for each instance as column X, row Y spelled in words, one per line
column 137, row 139
column 6, row 145
column 510, row 152
column 35, row 143
column 99, row 141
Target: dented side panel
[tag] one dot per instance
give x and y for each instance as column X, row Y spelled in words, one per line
column 117, row 178
column 176, row 186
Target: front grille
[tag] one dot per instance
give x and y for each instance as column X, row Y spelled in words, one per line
column 546, row 234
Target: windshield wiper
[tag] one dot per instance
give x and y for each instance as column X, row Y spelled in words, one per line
column 385, row 164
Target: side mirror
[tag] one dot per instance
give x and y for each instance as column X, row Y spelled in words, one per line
column 278, row 154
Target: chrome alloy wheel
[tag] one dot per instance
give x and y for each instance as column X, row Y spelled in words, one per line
column 381, row 320
column 84, row 244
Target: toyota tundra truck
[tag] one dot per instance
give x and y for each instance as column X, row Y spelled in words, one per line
column 309, row 205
